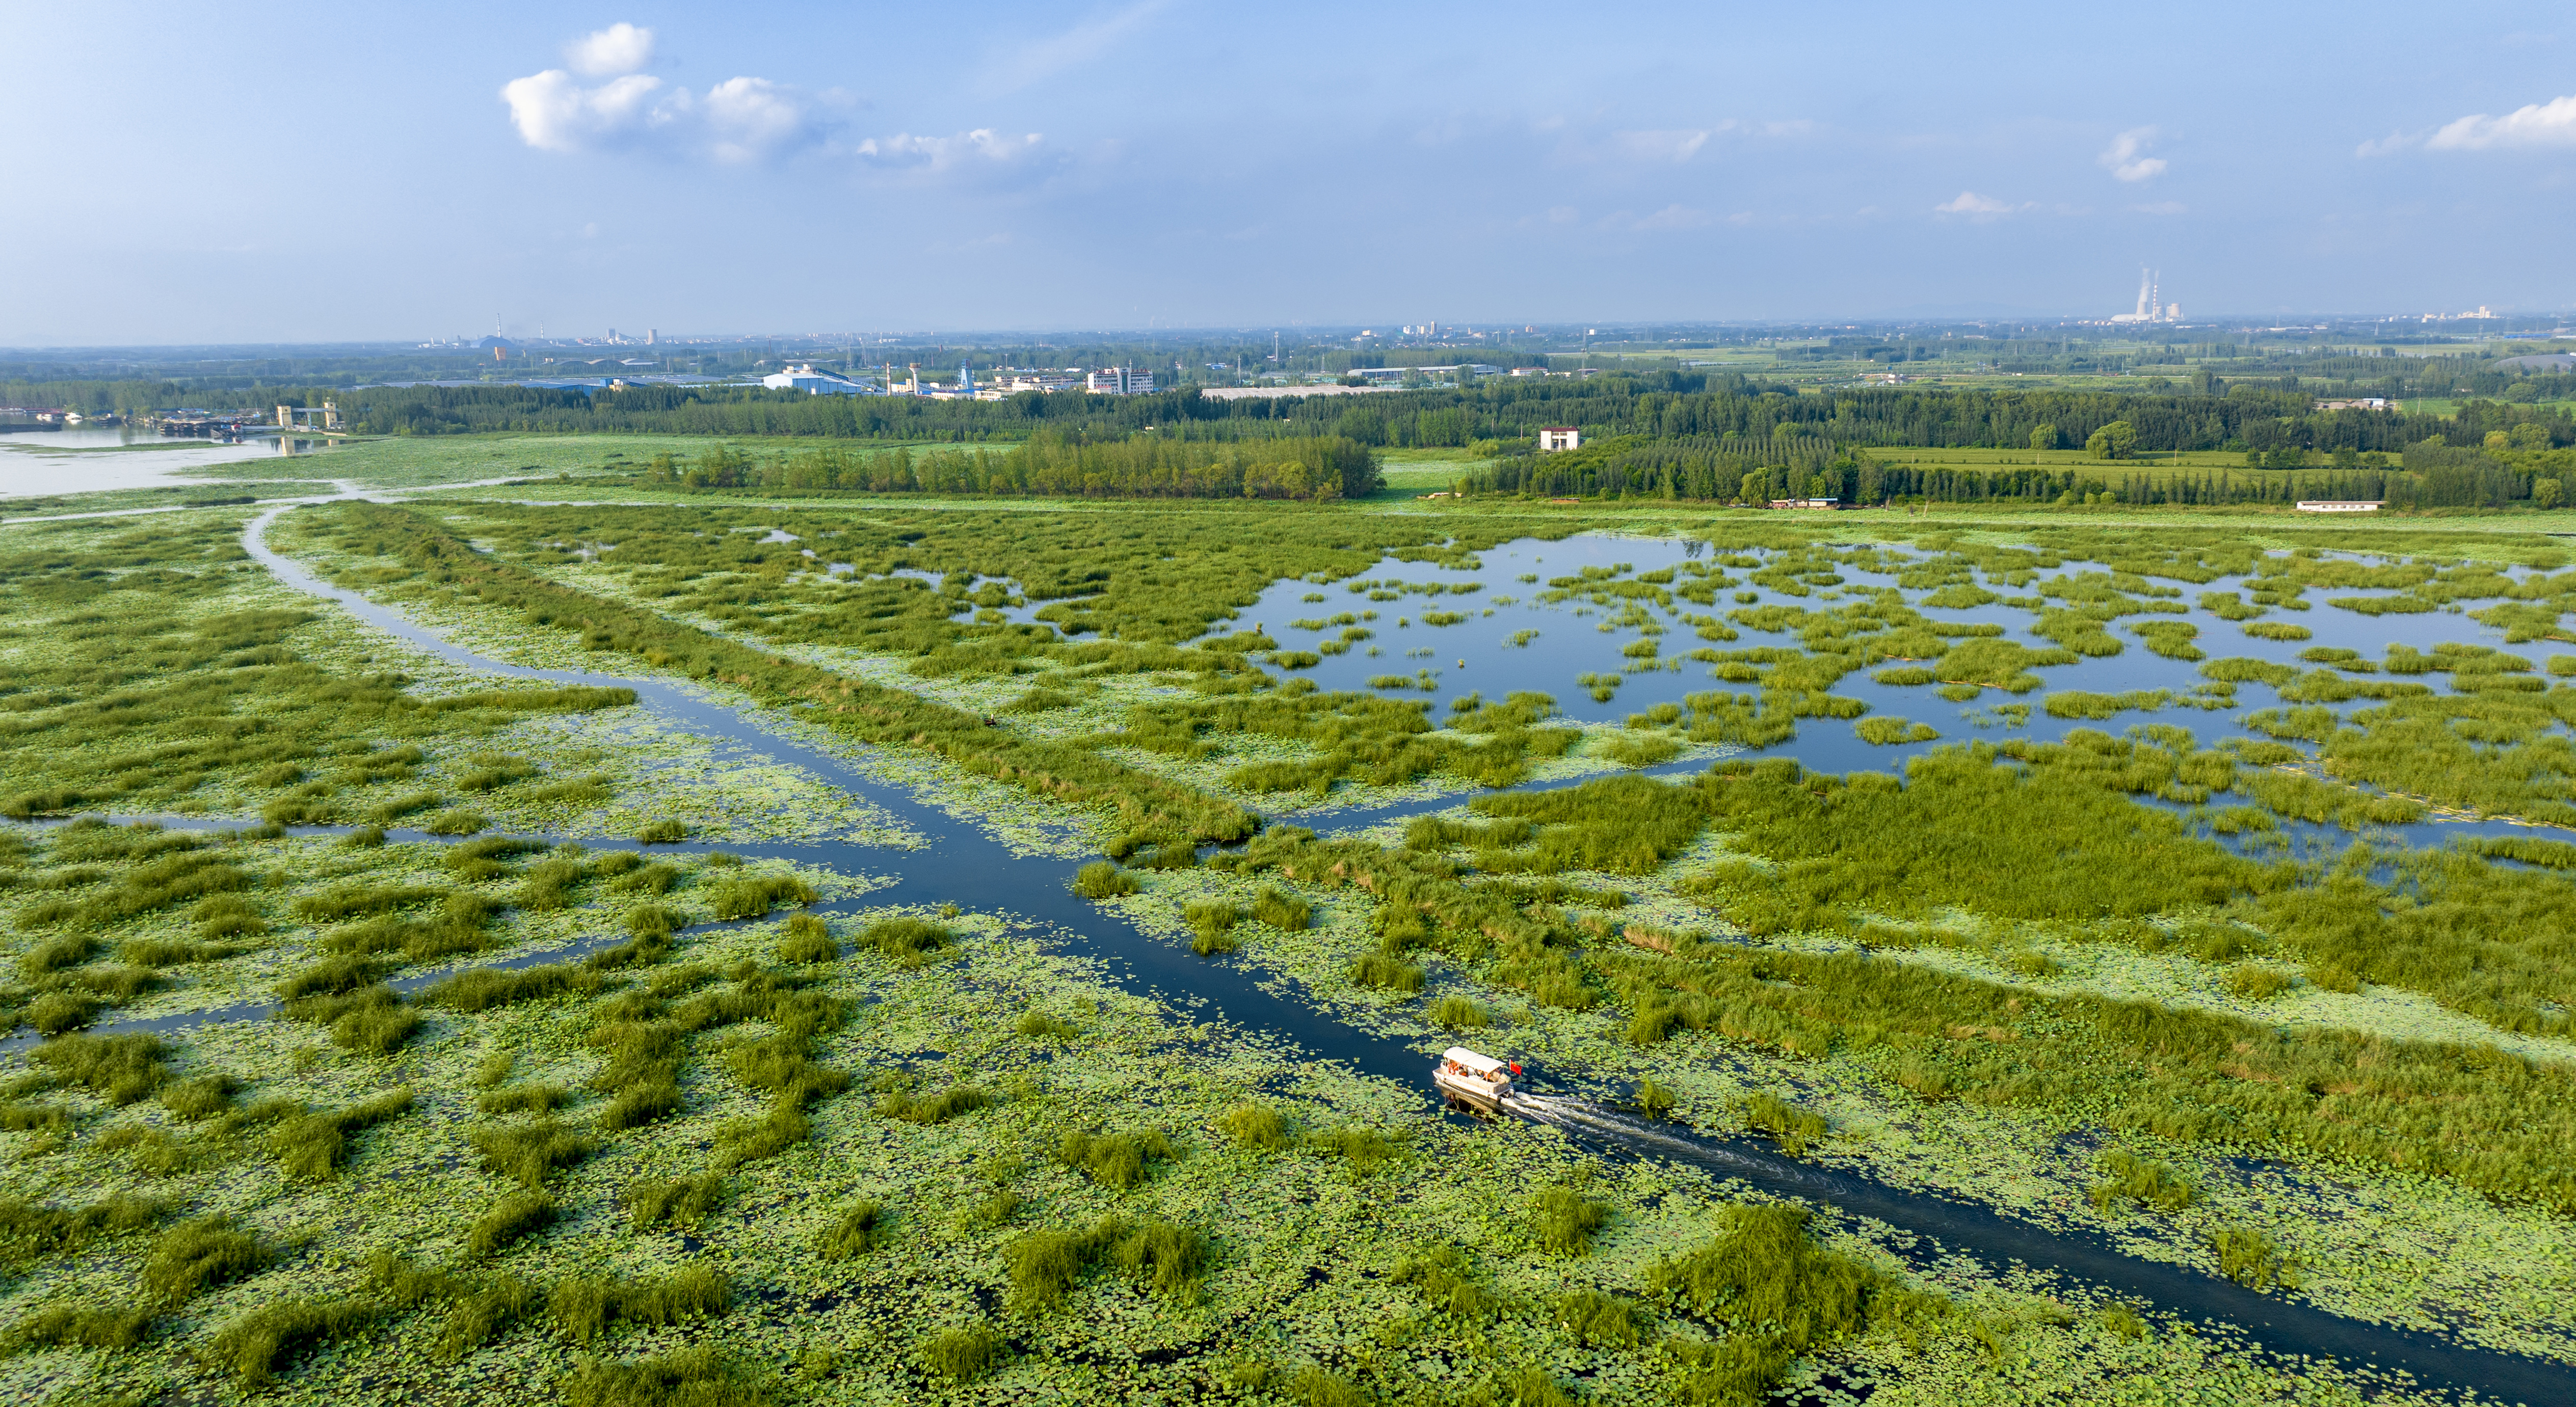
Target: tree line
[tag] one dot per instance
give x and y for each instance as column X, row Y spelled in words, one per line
column 1049, row 464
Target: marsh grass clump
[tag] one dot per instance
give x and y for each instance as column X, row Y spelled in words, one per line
column 860, row 1228
column 1596, row 1320
column 252, row 1346
column 1045, row 1025
column 30, row 1231
column 197, row 1254
column 693, row 1377
column 2256, row 982
column 1766, row 1278
column 1212, row 927
column 1390, row 973
column 740, row 1141
column 517, row 1216
column 312, row 1144
column 961, row 1354
column 1162, row 1257
column 532, row 1152
column 1257, row 1126
column 754, row 895
column 933, row 1108
column 584, row 1308
column 808, row 940
column 483, row 988
column 2130, row 1178
column 65, row 1327
column 1792, row 1127
column 1457, row 1011
column 118, row 1069
column 1102, row 879
column 683, row 1203
column 2254, row 1260
column 1363, row 1150
column 1282, row 911
column 1123, row 1160
column 527, row 1097
column 1447, row 1282
column 1563, row 1221
column 200, row 1098
column 666, row 831
column 906, row 941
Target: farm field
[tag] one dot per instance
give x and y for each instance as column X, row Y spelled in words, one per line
column 603, row 944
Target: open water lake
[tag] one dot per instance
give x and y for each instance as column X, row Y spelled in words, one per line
column 39, row 463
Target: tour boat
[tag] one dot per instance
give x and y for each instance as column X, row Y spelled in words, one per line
column 1475, row 1079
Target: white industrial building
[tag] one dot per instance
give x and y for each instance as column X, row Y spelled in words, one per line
column 1556, row 437
column 814, row 381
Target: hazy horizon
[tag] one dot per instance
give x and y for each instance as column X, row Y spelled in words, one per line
column 303, row 175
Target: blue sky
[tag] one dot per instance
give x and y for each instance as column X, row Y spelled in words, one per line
column 280, row 172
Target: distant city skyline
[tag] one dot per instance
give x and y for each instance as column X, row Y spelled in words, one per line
column 290, row 173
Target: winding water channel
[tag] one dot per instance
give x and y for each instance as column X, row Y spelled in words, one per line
column 961, row 863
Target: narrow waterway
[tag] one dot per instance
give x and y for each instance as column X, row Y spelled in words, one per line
column 963, row 864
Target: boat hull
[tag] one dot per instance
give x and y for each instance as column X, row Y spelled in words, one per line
column 1474, row 1092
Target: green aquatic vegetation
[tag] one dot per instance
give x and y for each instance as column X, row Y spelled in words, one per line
column 525, row 1098
column 808, row 940
column 118, row 1069
column 1597, row 1320
column 513, row 1218
column 1654, row 1100
column 1637, row 749
column 1257, row 1126
column 1563, row 1220
column 666, row 831
column 906, row 941
column 2126, row 1178
column 1164, row 1258
column 683, row 1203
column 963, row 1353
column 933, row 1108
column 2277, row 629
column 2496, row 942
column 1391, row 973
column 65, row 1327
column 252, row 1346
column 860, row 1228
column 1063, row 772
column 1795, row 1129
column 2078, row 704
column 1123, row 1160
column 457, row 820
column 694, row 1377
column 196, row 1255
column 1457, row 1012
column 754, row 895
column 31, row 1231
column 2169, row 638
column 1313, row 1386
column 1887, row 731
column 200, row 1098
column 1103, row 880
column 1362, row 1149
column 314, row 1144
column 740, row 1141
column 1282, row 911
column 584, row 1308
column 1448, row 1283
column 1781, row 1295
column 1043, row 1025
column 2227, row 605
column 532, row 1152
column 150, row 1150
column 483, row 988
column 1620, row 825
column 2252, row 1259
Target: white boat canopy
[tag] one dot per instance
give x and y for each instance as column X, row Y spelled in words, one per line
column 1484, row 1065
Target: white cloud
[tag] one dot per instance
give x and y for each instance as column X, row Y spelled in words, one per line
column 752, row 119
column 1675, row 145
column 1984, row 207
column 620, row 48
column 983, row 145
column 1078, row 45
column 2127, row 159
column 554, row 112
column 2549, row 124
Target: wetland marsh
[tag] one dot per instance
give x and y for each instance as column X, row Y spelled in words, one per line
column 993, row 970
